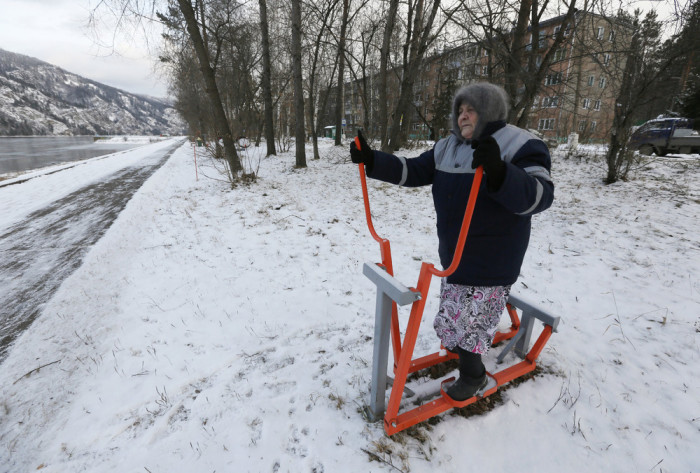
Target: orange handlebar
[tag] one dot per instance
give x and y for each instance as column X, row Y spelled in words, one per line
column 468, row 213
column 465, row 226
column 365, row 197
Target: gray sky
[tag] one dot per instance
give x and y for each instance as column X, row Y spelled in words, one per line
column 57, row 32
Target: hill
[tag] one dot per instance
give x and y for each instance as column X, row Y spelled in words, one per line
column 38, row 98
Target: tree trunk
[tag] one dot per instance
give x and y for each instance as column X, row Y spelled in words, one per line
column 221, row 122
column 517, row 46
column 267, row 80
column 621, row 117
column 298, row 86
column 383, row 75
column 314, row 123
column 340, row 99
column 417, row 44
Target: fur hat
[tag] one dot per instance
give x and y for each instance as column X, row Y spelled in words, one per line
column 490, row 102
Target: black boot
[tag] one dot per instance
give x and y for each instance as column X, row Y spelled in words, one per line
column 472, row 376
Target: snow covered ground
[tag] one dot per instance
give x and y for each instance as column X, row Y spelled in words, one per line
column 213, row 329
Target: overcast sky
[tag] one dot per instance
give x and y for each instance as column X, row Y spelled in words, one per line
column 57, row 32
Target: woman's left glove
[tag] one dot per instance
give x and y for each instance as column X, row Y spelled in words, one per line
column 487, row 153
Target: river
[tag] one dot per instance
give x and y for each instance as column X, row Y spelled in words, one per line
column 21, row 154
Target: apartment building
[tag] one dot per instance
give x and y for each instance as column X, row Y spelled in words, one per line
column 580, row 89
column 577, row 93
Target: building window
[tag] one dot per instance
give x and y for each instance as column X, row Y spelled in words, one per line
column 546, row 124
column 611, row 36
column 585, row 103
column 485, row 70
column 581, row 126
column 593, row 125
column 552, row 79
column 596, row 105
column 601, row 83
column 556, row 29
column 606, row 58
column 591, row 80
column 536, row 101
column 550, row 101
column 560, row 54
column 600, row 33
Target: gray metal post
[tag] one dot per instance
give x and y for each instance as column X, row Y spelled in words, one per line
column 521, row 341
column 527, row 321
column 380, row 358
column 388, row 289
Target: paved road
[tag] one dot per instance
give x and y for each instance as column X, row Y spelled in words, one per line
column 40, row 252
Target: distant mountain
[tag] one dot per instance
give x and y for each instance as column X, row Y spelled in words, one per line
column 37, row 98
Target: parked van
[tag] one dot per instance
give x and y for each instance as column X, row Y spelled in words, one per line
column 666, row 135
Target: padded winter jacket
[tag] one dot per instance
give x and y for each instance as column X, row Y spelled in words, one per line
column 500, row 228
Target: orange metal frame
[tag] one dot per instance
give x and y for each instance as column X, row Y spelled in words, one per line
column 403, row 363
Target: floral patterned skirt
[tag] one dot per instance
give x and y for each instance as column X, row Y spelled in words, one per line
column 468, row 315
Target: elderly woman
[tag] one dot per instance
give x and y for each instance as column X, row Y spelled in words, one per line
column 517, row 185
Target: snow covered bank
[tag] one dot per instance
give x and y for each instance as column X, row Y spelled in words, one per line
column 230, row 330
column 140, row 139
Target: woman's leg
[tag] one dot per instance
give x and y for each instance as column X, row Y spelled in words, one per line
column 472, row 376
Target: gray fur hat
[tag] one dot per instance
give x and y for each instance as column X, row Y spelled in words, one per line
column 490, row 102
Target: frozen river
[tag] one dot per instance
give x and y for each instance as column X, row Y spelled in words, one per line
column 19, row 154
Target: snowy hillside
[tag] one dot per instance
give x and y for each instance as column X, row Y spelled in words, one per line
column 231, row 330
column 37, row 98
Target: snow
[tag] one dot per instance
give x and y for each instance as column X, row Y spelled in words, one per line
column 219, row 329
column 135, row 139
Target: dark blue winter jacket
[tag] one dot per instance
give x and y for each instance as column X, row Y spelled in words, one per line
column 500, row 228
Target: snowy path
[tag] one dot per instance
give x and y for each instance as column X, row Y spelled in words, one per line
column 218, row 329
column 45, row 247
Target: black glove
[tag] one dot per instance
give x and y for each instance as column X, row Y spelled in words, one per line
column 487, row 153
column 362, row 155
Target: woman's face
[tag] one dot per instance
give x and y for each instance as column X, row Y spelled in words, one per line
column 467, row 120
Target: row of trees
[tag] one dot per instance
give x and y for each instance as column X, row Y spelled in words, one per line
column 269, row 68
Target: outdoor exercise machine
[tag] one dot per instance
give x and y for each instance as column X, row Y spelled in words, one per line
column 391, row 293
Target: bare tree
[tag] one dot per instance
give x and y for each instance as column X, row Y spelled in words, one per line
column 196, row 28
column 420, row 34
column 384, row 74
column 212, row 89
column 341, row 73
column 323, row 14
column 524, row 62
column 297, row 79
column 363, row 69
column 266, row 80
column 637, row 77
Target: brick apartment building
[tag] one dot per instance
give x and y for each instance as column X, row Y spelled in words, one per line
column 578, row 92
